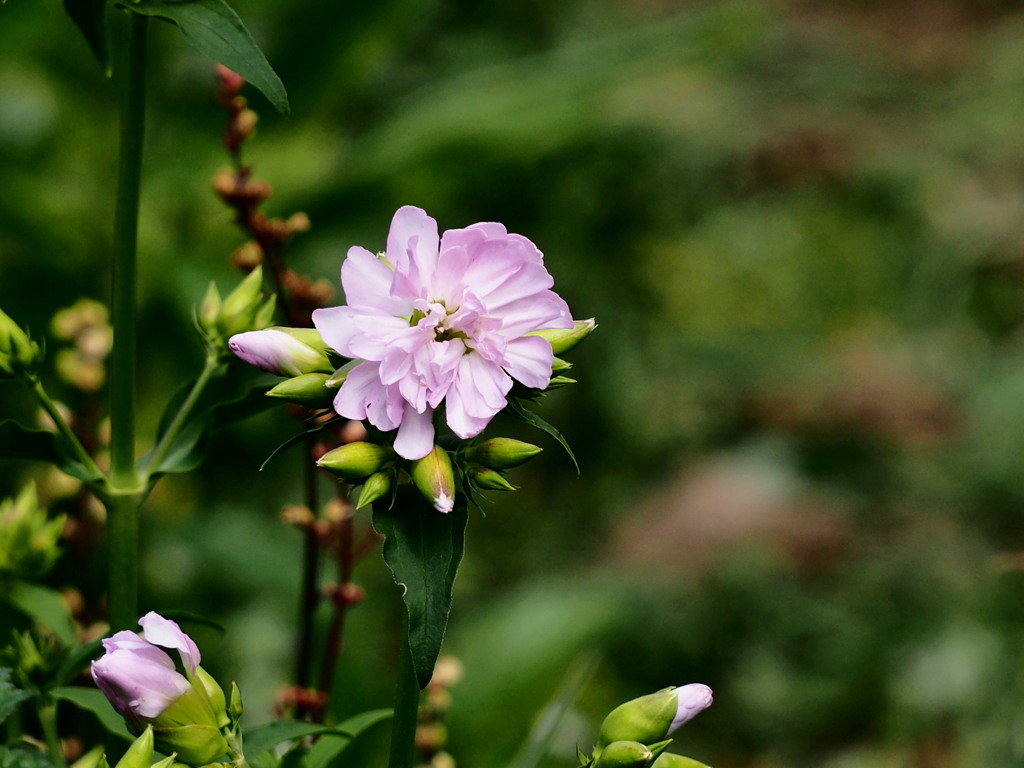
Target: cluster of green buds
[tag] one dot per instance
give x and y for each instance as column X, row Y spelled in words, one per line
column 19, row 355
column 372, row 465
column 485, row 463
column 29, row 540
column 244, row 309
column 187, row 710
column 636, row 734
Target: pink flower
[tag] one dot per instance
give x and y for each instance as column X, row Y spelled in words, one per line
column 441, row 320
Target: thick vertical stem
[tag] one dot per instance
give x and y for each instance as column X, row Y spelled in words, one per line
column 407, row 700
column 125, row 494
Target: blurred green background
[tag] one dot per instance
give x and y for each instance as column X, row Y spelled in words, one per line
column 800, row 226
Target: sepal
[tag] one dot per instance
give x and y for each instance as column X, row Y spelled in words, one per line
column 355, row 461
column 435, row 479
column 308, row 390
column 564, row 339
column 502, row 453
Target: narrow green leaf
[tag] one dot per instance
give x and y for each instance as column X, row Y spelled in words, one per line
column 75, row 661
column 23, row 757
column 264, row 737
column 534, row 420
column 91, row 18
column 423, row 548
column 91, row 700
column 21, row 443
column 328, row 747
column 232, row 394
column 10, row 695
column 212, row 27
column 45, row 606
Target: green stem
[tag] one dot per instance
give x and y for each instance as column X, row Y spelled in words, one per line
column 48, row 720
column 125, row 494
column 171, row 433
column 407, row 701
column 71, row 441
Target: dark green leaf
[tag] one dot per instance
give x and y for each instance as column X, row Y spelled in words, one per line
column 45, row 606
column 232, row 394
column 264, row 737
column 91, row 18
column 76, row 660
column 23, row 757
column 91, row 700
column 10, row 696
column 329, row 746
column 534, row 420
column 423, row 548
column 212, row 27
column 21, row 443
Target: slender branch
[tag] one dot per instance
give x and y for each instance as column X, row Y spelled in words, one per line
column 71, row 440
column 407, row 699
column 310, row 575
column 125, row 493
column 174, row 428
column 343, row 600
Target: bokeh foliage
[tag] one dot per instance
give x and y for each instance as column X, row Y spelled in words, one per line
column 801, row 422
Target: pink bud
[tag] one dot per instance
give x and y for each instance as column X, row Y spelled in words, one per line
column 691, row 700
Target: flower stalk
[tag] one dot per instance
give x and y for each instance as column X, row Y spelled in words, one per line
column 407, row 699
column 125, row 494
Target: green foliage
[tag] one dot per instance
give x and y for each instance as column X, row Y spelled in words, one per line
column 91, row 18
column 423, row 548
column 331, row 742
column 213, row 28
column 20, row 442
column 10, row 695
column 14, row 757
column 44, row 605
column 93, row 701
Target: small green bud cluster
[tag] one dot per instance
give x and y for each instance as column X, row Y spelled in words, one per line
column 244, row 309
column 636, row 734
column 486, row 462
column 28, row 539
column 19, row 355
column 370, row 463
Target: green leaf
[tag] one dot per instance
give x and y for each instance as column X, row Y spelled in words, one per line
column 212, row 27
column 329, row 746
column 233, row 393
column 264, row 737
column 91, row 700
column 75, row 661
column 21, row 443
column 45, row 606
column 91, row 18
column 10, row 695
column 534, row 420
column 423, row 548
column 23, row 757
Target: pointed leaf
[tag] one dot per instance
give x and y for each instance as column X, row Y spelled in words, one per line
column 534, row 420
column 21, row 443
column 91, row 18
column 10, row 695
column 45, row 606
column 91, row 700
column 423, row 548
column 268, row 736
column 330, row 745
column 212, row 27
column 232, row 394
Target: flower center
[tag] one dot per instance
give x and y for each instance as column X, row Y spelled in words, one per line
column 435, row 315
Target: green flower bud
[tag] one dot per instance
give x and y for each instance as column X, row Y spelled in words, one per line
column 209, row 310
column 244, row 309
column 668, row 760
column 356, row 460
column 502, row 453
column 338, row 377
column 487, row 479
column 624, row 754
column 435, row 479
column 19, row 355
column 564, row 339
column 235, row 706
column 214, row 693
column 140, row 753
column 558, row 365
column 94, row 758
column 376, row 486
column 309, row 390
column 654, row 717
column 28, row 539
column 558, row 381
